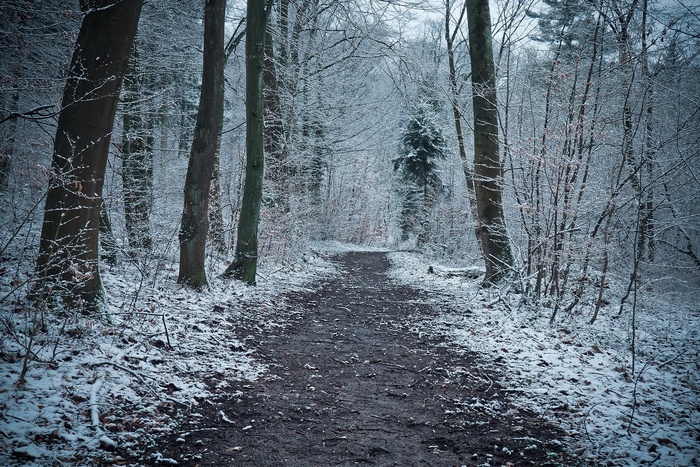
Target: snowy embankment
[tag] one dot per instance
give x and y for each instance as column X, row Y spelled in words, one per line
column 112, row 382
column 162, row 349
column 577, row 375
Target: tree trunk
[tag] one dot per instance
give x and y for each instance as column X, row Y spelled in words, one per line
column 274, row 132
column 109, row 244
column 646, row 243
column 7, row 141
column 68, row 253
column 205, row 145
column 217, row 232
column 137, row 161
column 245, row 262
column 488, row 171
column 454, row 99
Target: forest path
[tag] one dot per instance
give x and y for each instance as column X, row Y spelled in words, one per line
column 351, row 383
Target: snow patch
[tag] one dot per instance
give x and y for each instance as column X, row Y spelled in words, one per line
column 576, row 375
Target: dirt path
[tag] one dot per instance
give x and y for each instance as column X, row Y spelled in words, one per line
column 350, row 383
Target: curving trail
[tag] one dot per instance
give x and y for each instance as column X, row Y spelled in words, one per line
column 350, row 383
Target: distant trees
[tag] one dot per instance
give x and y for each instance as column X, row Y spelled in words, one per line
column 137, row 156
column 36, row 52
column 67, row 265
column 584, row 145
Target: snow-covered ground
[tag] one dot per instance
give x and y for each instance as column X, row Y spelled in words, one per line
column 112, row 381
column 577, row 375
column 109, row 382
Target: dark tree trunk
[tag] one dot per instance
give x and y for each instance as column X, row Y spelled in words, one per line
column 205, row 145
column 244, row 265
column 488, row 171
column 7, row 141
column 137, row 161
column 109, row 244
column 274, row 135
column 647, row 244
column 454, row 100
column 68, row 254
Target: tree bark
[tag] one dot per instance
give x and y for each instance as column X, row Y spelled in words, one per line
column 244, row 265
column 7, row 141
column 109, row 244
column 205, row 145
column 67, row 264
column 137, row 161
column 454, row 100
column 488, row 170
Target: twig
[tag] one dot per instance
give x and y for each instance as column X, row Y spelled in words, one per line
column 634, row 396
column 167, row 336
column 162, row 316
column 31, row 114
column 140, row 378
column 636, row 381
column 94, row 412
column 585, row 424
column 489, row 379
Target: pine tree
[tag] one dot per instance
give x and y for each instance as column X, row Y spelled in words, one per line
column 422, row 145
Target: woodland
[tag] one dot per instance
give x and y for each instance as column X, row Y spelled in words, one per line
column 165, row 158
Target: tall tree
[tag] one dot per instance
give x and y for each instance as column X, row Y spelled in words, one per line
column 7, row 141
column 195, row 214
column 423, row 144
column 454, row 96
column 137, row 158
column 244, row 265
column 68, row 254
column 488, row 169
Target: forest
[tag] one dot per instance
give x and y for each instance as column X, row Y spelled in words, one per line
column 173, row 171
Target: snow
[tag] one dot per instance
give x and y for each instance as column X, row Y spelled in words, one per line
column 96, row 385
column 577, row 375
column 99, row 383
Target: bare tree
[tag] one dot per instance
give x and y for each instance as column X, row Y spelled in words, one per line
column 136, row 157
column 195, row 214
column 244, row 265
column 488, row 169
column 450, row 36
column 68, row 254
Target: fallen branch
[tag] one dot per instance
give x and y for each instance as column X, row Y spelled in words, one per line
column 472, row 272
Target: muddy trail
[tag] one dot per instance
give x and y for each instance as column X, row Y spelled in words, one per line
column 350, row 383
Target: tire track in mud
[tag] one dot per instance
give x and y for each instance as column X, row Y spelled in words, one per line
column 351, row 383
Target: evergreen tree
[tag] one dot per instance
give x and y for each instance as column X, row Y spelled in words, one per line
column 422, row 145
column 565, row 22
